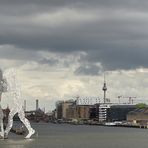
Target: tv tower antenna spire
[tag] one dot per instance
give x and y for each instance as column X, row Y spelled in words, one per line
column 104, row 89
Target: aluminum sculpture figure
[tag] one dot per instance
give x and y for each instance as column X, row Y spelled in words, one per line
column 3, row 88
column 13, row 87
column 1, row 111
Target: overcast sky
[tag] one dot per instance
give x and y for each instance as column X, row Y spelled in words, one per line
column 61, row 48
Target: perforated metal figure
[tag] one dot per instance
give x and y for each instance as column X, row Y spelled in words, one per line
column 1, row 111
column 3, row 88
column 15, row 91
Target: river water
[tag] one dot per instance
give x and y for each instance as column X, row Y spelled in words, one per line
column 79, row 136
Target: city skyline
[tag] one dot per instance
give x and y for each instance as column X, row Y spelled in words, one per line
column 61, row 49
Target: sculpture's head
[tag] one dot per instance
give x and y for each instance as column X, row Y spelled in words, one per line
column 3, row 83
column 10, row 73
column 1, row 74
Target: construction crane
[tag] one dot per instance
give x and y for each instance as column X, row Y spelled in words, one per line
column 130, row 99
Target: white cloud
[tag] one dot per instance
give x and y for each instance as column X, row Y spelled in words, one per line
column 48, row 83
column 63, row 16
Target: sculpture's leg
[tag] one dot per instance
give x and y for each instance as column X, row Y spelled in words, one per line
column 1, row 122
column 10, row 121
column 26, row 122
column 2, row 129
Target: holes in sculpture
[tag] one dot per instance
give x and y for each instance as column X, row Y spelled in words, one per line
column 9, row 84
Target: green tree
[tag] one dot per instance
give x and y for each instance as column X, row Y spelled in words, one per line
column 141, row 105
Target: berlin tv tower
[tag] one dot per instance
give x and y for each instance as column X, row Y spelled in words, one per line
column 104, row 89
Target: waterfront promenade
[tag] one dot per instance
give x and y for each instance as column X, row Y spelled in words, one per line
column 79, row 136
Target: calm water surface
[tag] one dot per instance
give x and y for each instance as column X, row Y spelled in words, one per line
column 79, row 136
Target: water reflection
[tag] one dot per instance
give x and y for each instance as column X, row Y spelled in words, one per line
column 13, row 143
column 71, row 136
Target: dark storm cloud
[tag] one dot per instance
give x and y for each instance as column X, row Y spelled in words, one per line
column 88, row 69
column 51, row 61
column 111, row 32
column 11, row 52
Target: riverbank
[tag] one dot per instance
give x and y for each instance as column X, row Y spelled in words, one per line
column 96, row 123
